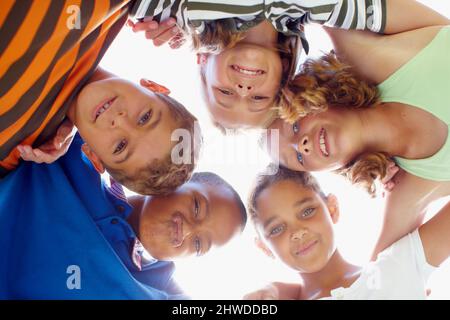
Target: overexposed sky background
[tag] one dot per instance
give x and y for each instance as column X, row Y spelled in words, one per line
column 240, row 267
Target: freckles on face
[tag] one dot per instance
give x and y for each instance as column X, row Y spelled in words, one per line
column 296, row 225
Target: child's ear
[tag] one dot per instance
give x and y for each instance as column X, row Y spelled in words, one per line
column 93, row 158
column 202, row 58
column 155, row 87
column 262, row 246
column 333, row 207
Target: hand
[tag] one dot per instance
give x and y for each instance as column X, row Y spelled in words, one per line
column 388, row 180
column 269, row 292
column 52, row 149
column 166, row 31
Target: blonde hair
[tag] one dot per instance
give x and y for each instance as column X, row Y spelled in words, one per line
column 218, row 36
column 327, row 82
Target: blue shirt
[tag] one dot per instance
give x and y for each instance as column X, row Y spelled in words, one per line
column 65, row 236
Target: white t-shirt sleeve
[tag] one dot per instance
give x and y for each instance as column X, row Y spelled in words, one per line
column 400, row 272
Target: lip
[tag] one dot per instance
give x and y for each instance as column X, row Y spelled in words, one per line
column 97, row 107
column 177, row 232
column 246, row 71
column 305, row 249
column 325, row 136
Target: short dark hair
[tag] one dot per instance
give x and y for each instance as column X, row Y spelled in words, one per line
column 213, row 179
column 275, row 173
column 160, row 177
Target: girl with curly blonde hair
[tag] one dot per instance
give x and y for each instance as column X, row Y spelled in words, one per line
column 335, row 118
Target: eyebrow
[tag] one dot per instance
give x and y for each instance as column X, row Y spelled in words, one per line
column 269, row 221
column 303, row 201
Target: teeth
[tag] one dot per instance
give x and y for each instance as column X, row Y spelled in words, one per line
column 104, row 108
column 323, row 147
column 248, row 72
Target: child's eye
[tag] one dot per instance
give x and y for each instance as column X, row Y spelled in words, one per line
column 225, row 92
column 198, row 246
column 299, row 157
column 196, row 208
column 276, row 231
column 120, row 147
column 295, row 128
column 145, row 118
column 308, row 212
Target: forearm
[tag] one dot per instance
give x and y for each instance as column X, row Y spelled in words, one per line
column 405, row 15
column 435, row 236
column 406, row 206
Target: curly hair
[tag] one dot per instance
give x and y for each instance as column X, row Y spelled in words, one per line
column 327, row 82
column 273, row 174
column 160, row 177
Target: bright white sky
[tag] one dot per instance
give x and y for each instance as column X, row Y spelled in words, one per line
column 239, row 267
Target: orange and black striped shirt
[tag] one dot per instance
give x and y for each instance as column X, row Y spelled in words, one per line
column 48, row 50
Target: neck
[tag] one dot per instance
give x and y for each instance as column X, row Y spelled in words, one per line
column 381, row 130
column 264, row 34
column 99, row 74
column 337, row 273
column 134, row 218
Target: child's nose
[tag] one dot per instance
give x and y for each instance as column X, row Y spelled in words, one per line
column 298, row 234
column 118, row 119
column 305, row 145
column 243, row 89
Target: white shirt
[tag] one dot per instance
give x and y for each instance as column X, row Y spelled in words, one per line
column 400, row 272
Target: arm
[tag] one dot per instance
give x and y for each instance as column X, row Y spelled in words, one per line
column 404, row 15
column 375, row 57
column 405, row 207
column 435, row 236
column 385, row 16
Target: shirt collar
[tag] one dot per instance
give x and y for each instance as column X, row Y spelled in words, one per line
column 140, row 257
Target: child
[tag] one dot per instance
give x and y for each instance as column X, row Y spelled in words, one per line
column 294, row 220
column 248, row 51
column 354, row 127
column 48, row 70
column 72, row 219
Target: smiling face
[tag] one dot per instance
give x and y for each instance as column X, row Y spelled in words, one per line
column 324, row 141
column 297, row 225
column 190, row 221
column 126, row 126
column 241, row 85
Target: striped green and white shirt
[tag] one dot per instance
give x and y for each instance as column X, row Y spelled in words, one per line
column 287, row 16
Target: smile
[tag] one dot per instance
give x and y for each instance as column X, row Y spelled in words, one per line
column 323, row 142
column 306, row 248
column 247, row 71
column 177, row 234
column 102, row 107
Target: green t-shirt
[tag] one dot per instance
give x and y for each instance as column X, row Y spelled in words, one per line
column 424, row 82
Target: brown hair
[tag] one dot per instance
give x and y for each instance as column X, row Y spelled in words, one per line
column 217, row 36
column 161, row 177
column 273, row 174
column 327, row 82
